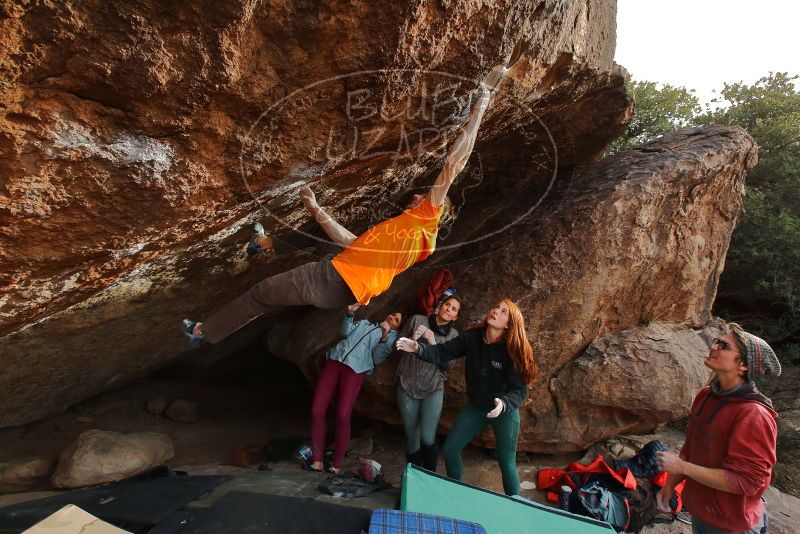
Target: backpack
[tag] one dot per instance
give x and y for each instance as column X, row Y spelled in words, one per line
column 595, row 500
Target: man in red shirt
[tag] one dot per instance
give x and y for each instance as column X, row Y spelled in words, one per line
column 729, row 451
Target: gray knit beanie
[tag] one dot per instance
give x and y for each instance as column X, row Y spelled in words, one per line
column 761, row 359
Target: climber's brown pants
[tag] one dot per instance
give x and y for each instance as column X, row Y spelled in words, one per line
column 316, row 284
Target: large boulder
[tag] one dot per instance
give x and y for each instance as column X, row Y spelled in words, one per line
column 785, row 394
column 138, row 141
column 631, row 381
column 99, row 456
column 24, row 474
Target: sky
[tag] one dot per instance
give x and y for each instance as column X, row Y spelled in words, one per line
column 701, row 44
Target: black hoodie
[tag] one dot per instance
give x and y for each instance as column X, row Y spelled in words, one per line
column 489, row 370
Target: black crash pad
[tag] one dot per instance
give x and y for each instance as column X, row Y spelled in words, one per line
column 261, row 513
column 130, row 505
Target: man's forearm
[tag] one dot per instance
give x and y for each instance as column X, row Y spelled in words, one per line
column 679, row 468
column 459, row 152
column 462, row 148
column 333, row 229
column 713, row 478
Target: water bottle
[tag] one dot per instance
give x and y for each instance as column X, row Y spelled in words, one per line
column 563, row 500
column 303, row 454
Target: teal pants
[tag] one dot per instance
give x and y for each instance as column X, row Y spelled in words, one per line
column 420, row 418
column 469, row 422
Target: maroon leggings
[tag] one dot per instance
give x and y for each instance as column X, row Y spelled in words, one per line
column 334, row 374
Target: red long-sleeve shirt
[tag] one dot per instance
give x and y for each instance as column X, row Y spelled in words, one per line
column 739, row 437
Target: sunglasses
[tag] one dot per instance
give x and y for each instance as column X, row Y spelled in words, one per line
column 722, row 344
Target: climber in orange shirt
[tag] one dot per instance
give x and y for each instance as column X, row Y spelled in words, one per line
column 369, row 262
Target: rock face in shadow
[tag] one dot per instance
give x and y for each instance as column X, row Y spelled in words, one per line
column 139, row 141
column 24, row 474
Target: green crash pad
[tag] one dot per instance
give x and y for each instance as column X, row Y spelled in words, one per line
column 429, row 493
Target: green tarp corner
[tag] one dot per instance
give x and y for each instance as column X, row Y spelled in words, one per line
column 429, row 493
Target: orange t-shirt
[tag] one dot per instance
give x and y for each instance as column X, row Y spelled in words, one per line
column 371, row 262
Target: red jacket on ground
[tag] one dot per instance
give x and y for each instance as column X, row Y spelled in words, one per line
column 555, row 478
column 737, row 434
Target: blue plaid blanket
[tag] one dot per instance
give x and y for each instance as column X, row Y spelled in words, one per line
column 398, row 522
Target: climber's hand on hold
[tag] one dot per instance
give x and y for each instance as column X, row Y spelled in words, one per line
column 309, row 200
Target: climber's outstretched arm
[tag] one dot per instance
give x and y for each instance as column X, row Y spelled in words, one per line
column 338, row 233
column 459, row 153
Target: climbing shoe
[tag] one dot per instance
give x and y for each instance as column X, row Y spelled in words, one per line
column 187, row 327
column 252, row 247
